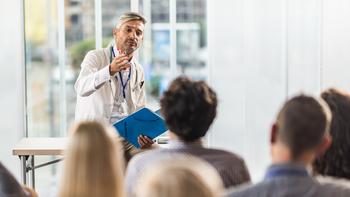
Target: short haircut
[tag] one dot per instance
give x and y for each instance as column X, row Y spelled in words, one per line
column 302, row 123
column 130, row 16
column 189, row 108
column 180, row 175
column 336, row 161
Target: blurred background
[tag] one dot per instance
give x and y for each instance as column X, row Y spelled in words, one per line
column 254, row 53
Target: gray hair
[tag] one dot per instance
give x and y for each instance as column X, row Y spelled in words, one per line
column 129, row 16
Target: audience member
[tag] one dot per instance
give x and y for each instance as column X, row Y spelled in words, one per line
column 9, row 187
column 29, row 191
column 189, row 108
column 180, row 176
column 93, row 164
column 335, row 161
column 300, row 133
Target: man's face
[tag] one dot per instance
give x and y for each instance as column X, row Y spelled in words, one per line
column 129, row 36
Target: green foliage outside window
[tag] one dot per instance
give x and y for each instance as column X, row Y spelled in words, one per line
column 79, row 50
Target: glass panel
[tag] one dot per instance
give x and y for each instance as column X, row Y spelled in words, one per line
column 42, row 80
column 111, row 11
column 160, row 11
column 154, row 54
column 41, row 43
column 191, row 38
column 80, row 38
column 47, row 178
column 43, row 71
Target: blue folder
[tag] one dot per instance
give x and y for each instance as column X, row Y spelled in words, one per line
column 142, row 122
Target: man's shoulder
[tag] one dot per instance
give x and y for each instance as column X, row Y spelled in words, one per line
column 208, row 154
column 225, row 152
column 98, row 52
column 97, row 58
column 291, row 186
column 265, row 188
column 340, row 187
column 146, row 159
column 227, row 155
column 138, row 65
column 325, row 180
column 146, row 156
column 248, row 189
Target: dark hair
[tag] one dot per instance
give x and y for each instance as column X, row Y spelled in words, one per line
column 189, row 108
column 336, row 160
column 9, row 185
column 302, row 123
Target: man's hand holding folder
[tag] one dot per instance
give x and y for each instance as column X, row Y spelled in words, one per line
column 144, row 141
column 141, row 127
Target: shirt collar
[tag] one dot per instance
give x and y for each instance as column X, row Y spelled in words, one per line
column 116, row 52
column 182, row 144
column 286, row 169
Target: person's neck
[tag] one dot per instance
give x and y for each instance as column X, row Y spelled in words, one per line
column 119, row 49
column 281, row 154
column 173, row 136
column 118, row 46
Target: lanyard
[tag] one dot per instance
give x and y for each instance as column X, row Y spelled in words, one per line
column 120, row 74
column 285, row 171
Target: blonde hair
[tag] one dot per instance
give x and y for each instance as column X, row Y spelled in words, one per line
column 180, row 176
column 93, row 164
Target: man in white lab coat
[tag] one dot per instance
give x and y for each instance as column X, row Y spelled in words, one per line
column 110, row 85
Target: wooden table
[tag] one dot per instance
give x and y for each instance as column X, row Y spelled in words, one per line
column 30, row 147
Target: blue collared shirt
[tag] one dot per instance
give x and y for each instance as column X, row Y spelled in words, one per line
column 287, row 169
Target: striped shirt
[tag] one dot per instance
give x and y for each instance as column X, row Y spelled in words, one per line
column 231, row 167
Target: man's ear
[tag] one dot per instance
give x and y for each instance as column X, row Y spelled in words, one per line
column 115, row 32
column 324, row 145
column 274, row 133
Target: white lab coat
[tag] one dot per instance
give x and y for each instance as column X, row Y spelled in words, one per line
column 96, row 91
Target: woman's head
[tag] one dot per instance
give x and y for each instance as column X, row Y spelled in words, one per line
column 93, row 162
column 336, row 161
column 180, row 176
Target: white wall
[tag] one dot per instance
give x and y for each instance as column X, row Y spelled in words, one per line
column 262, row 52
column 336, row 44
column 11, row 83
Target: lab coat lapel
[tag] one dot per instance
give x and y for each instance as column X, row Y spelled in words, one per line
column 113, row 81
column 133, row 80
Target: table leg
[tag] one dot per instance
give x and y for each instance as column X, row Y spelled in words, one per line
column 33, row 171
column 24, row 169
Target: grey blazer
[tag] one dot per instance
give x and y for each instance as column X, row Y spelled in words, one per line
column 290, row 186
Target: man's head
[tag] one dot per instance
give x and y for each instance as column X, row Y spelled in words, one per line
column 128, row 33
column 189, row 108
column 302, row 126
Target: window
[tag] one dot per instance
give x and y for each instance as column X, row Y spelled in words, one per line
column 42, row 74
